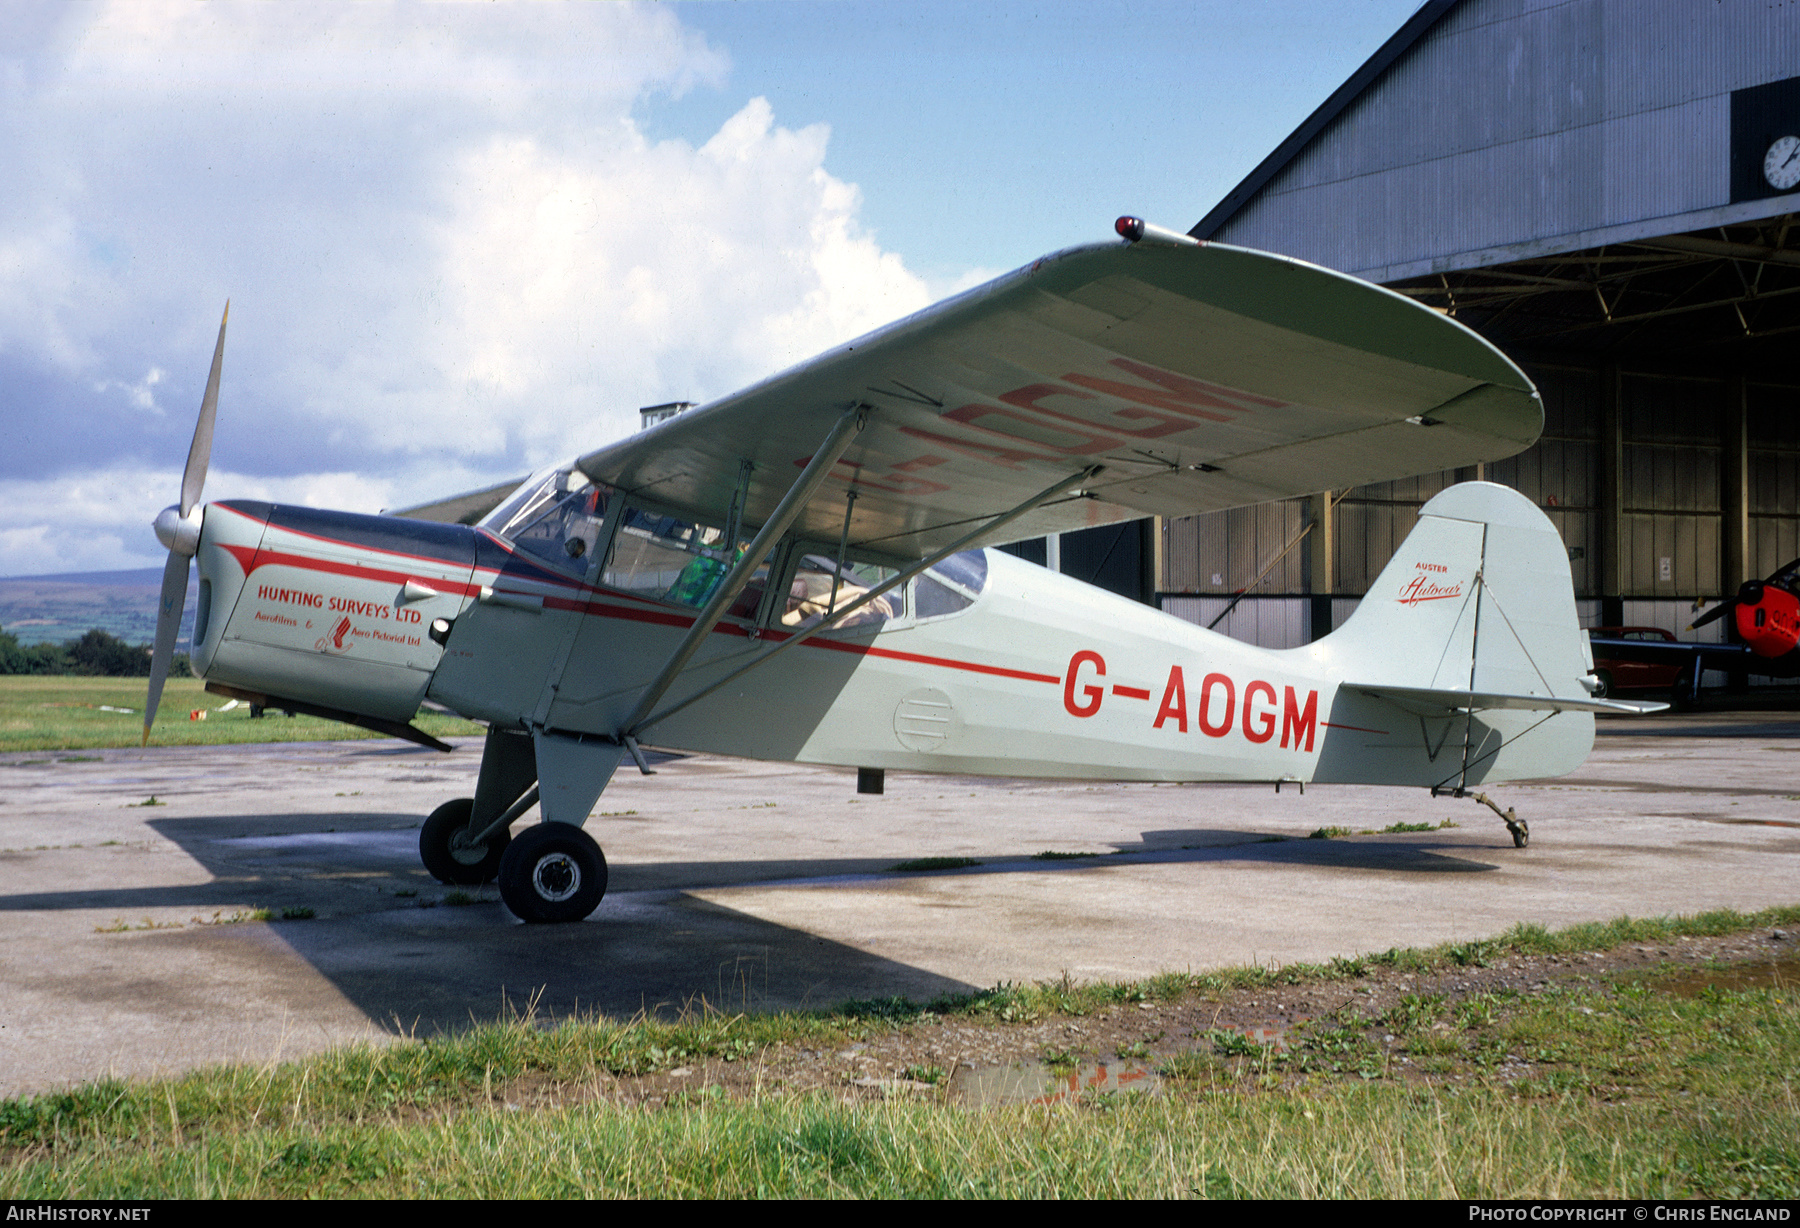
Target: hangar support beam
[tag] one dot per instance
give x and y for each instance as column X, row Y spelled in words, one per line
column 1319, row 551
column 1737, row 560
column 1609, row 536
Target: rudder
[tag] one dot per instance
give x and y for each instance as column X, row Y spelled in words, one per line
column 1477, row 600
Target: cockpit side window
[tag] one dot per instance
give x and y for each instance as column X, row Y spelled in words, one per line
column 816, row 588
column 666, row 558
column 951, row 586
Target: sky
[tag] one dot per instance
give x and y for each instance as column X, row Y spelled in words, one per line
column 462, row 241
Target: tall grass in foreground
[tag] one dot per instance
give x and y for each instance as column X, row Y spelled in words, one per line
column 1370, row 1141
column 1573, row 1092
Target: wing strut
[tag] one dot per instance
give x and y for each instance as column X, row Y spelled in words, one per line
column 790, row 507
column 824, row 624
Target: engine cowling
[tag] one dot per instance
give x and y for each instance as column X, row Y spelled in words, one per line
column 1768, row 619
column 329, row 608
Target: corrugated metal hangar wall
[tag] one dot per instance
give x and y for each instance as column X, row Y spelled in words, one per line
column 1608, row 190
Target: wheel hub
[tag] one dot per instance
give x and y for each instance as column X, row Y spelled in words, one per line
column 556, row 877
column 466, row 850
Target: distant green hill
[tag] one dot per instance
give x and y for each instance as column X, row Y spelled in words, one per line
column 59, row 609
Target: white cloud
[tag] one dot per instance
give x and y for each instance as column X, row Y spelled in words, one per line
column 580, row 285
column 141, row 394
column 100, row 519
column 967, row 280
column 496, row 57
column 450, row 250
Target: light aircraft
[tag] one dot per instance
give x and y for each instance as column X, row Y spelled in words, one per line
column 1765, row 615
column 798, row 571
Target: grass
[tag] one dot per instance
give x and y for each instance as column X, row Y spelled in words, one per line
column 932, row 863
column 1570, row 1093
column 67, row 713
column 1368, row 1143
column 1332, row 833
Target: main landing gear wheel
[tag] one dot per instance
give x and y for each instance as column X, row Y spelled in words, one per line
column 447, row 852
column 553, row 872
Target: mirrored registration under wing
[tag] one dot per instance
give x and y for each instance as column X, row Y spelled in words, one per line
column 1197, row 377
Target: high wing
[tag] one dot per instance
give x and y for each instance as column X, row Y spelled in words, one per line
column 1194, row 378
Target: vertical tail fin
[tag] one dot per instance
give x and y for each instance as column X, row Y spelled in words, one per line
column 1477, row 598
column 1465, row 662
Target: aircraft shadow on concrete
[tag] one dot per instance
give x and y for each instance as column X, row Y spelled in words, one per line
column 650, row 947
column 1423, row 853
column 427, row 969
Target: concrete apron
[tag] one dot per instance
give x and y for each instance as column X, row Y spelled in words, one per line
column 759, row 886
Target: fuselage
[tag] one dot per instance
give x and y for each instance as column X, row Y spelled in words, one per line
column 1034, row 674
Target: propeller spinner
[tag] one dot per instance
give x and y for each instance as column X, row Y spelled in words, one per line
column 1767, row 613
column 178, row 529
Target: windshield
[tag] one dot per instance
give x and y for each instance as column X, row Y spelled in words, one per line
column 557, row 519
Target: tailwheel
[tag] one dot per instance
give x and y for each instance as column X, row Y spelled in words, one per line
column 449, row 854
column 1521, row 833
column 553, row 872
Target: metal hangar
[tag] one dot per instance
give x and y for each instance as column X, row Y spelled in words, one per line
column 1608, row 189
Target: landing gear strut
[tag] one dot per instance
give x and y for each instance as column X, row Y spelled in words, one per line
column 551, row 872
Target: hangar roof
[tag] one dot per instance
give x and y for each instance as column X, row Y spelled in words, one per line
column 1489, row 132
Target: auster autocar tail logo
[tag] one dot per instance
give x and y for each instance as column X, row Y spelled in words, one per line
column 1430, row 584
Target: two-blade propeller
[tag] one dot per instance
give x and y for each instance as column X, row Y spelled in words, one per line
column 1767, row 612
column 178, row 528
column 1750, row 593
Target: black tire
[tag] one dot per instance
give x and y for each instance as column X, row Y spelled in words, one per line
column 553, row 872
column 1603, row 684
column 449, row 859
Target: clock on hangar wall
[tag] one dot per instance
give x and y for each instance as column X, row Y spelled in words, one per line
column 1765, row 140
column 1781, row 165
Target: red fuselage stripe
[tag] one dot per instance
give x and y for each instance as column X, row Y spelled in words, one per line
column 255, row 559
column 251, row 559
column 895, row 654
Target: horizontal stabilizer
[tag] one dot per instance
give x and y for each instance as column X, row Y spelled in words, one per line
column 1430, row 701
